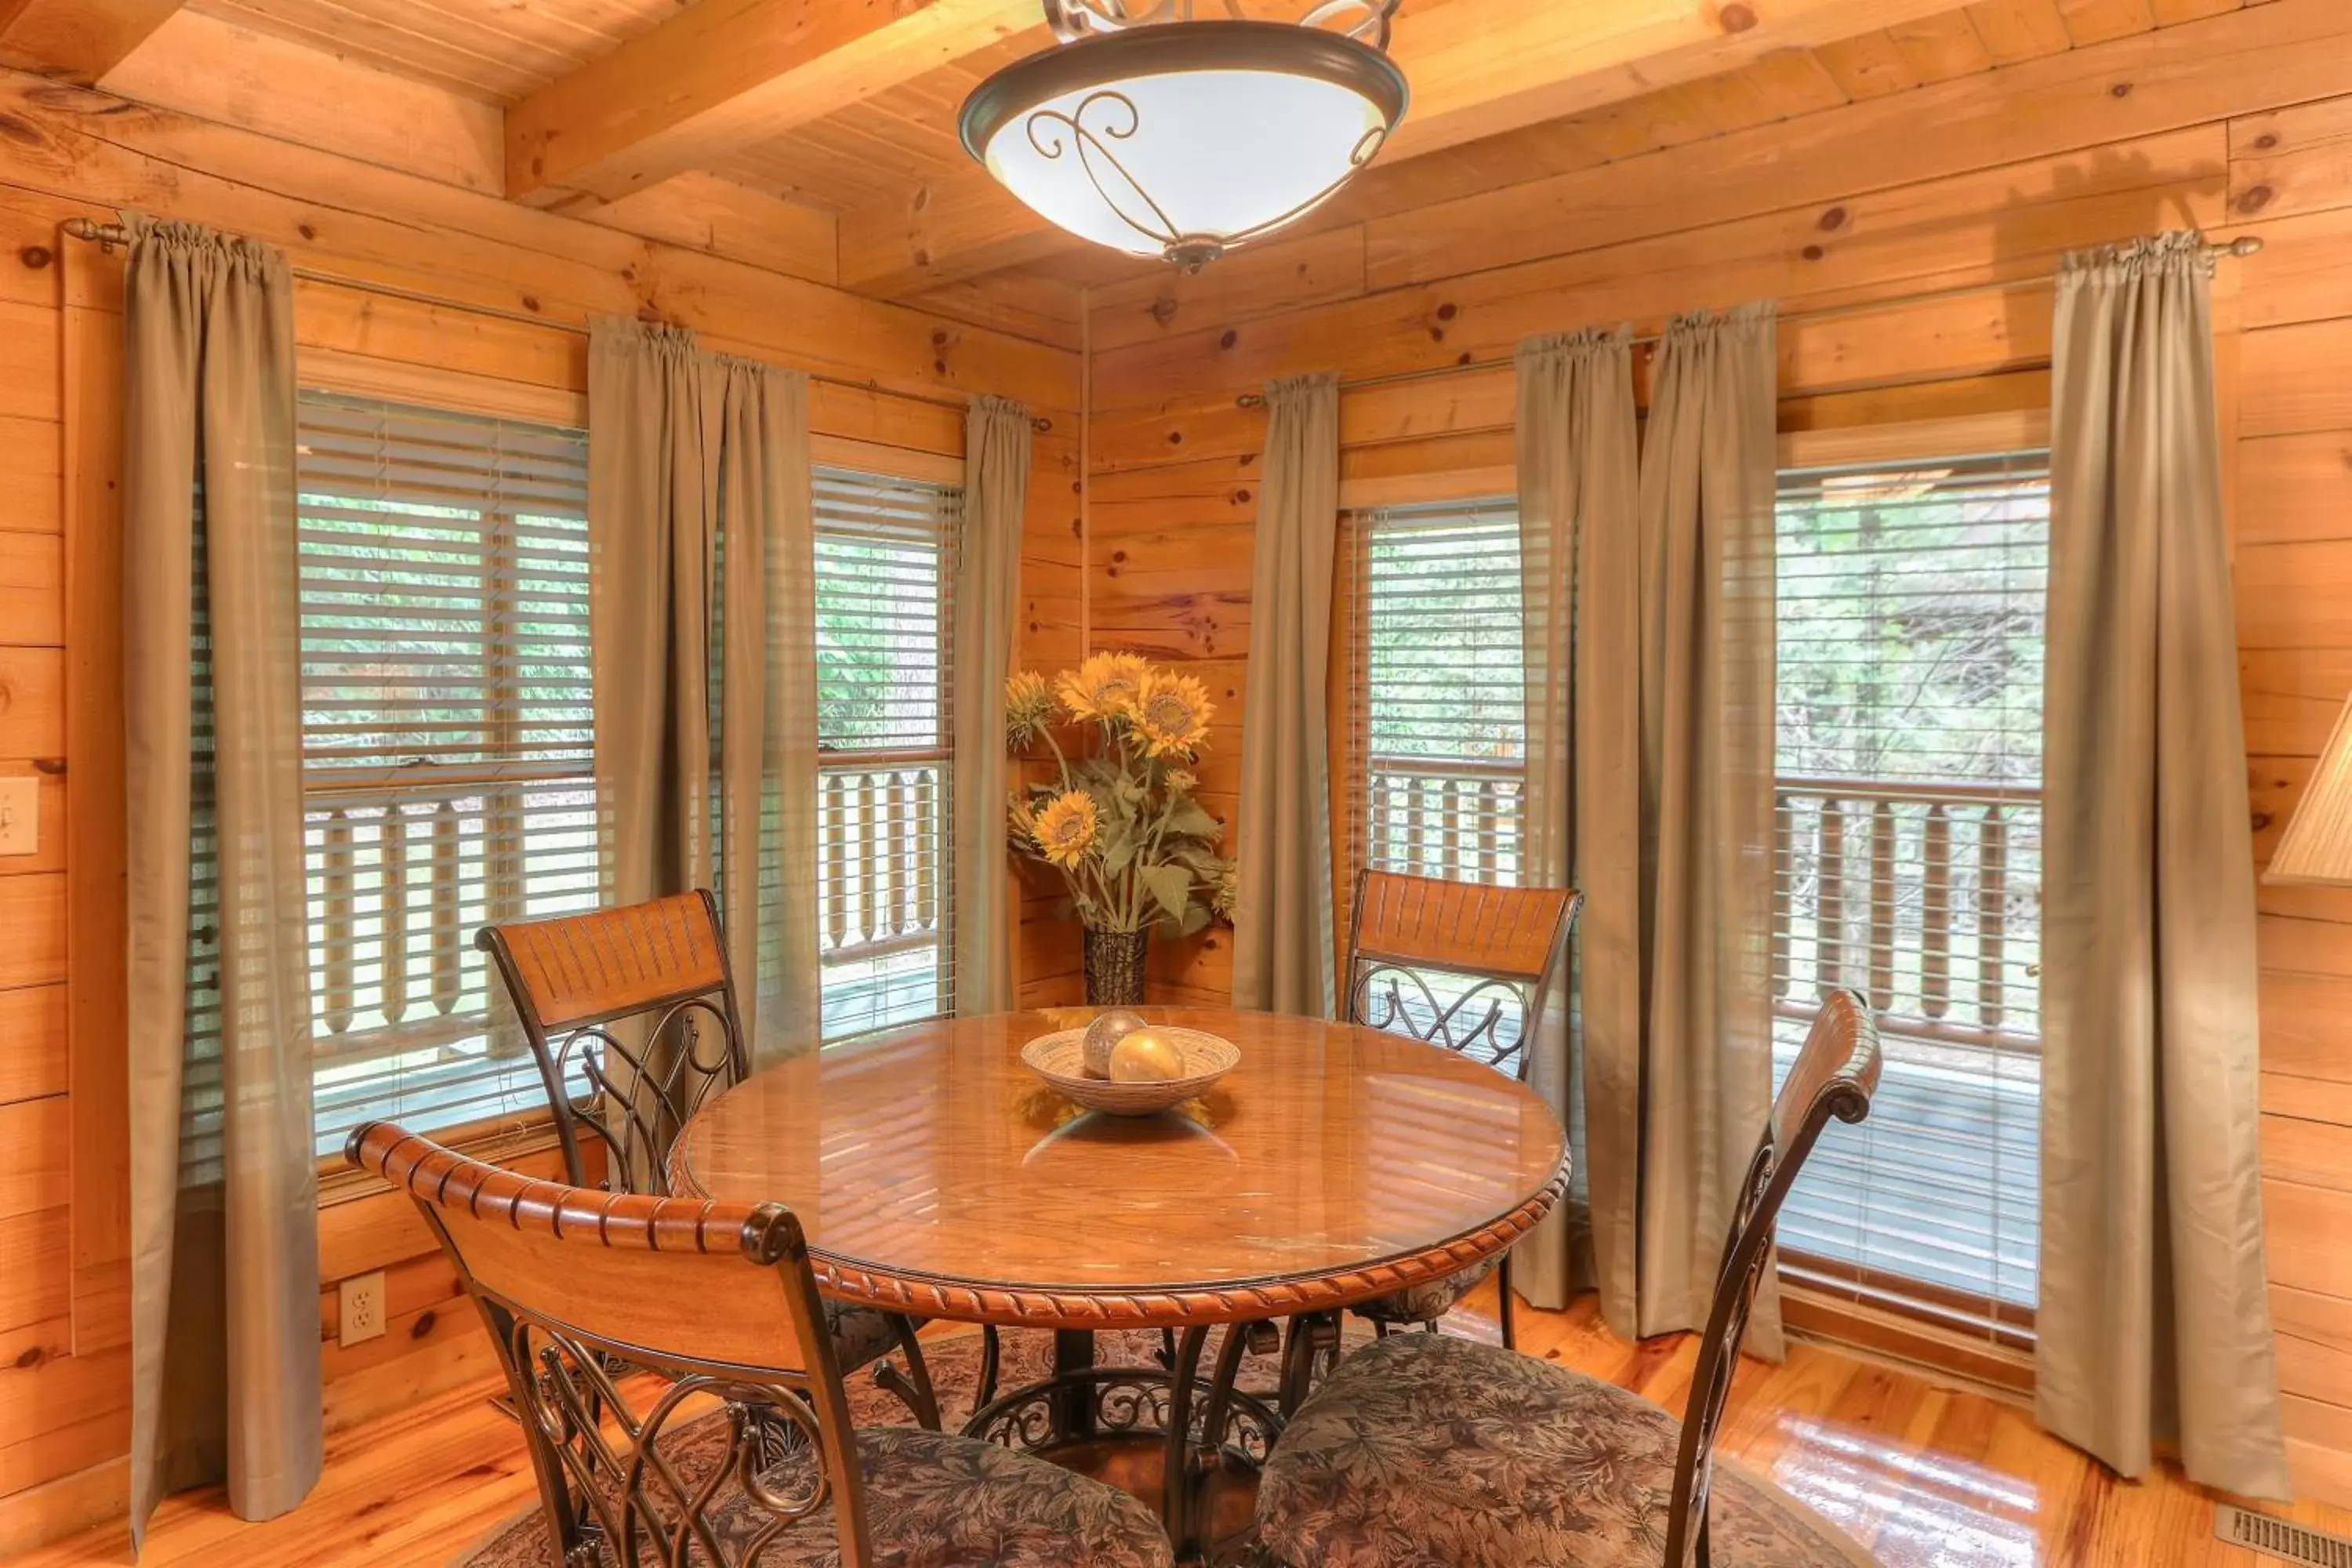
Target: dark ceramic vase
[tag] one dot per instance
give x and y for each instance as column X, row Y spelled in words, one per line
column 1114, row 966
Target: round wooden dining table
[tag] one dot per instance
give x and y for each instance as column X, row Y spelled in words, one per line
column 935, row 1175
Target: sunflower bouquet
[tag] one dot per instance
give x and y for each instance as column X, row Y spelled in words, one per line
column 1121, row 825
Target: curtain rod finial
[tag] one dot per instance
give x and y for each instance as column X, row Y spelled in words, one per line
column 106, row 236
column 2245, row 245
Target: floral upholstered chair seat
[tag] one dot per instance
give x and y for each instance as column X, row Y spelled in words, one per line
column 860, row 1334
column 1425, row 1451
column 1429, row 1301
column 932, row 1501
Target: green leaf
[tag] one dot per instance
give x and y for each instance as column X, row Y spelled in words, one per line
column 1187, row 817
column 1117, row 847
column 1171, row 888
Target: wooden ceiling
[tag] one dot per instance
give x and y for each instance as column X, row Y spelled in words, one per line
column 845, row 113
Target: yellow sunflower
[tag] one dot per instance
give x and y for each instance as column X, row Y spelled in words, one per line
column 1028, row 707
column 1104, row 687
column 1064, row 829
column 1171, row 714
column 1182, row 781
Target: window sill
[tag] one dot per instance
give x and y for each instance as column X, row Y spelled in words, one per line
column 498, row 1142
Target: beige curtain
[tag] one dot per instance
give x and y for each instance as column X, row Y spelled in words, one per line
column 1707, row 666
column 702, row 639
column 996, row 442
column 2153, row 1323
column 1282, row 914
column 223, row 1193
column 1579, row 582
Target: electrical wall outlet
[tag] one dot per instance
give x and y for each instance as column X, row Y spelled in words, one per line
column 20, row 815
column 361, row 1301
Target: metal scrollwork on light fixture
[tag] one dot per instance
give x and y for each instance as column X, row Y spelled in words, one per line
column 1055, row 134
column 1158, row 135
column 1073, row 19
column 1370, row 24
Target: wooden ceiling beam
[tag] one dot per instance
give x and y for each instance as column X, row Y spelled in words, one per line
column 723, row 74
column 78, row 40
column 1476, row 71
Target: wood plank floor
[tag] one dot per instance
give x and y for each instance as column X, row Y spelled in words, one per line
column 1923, row 1475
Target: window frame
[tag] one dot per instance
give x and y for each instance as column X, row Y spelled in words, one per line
column 499, row 1140
column 1347, row 696
column 947, row 479
column 1825, row 1297
column 447, row 394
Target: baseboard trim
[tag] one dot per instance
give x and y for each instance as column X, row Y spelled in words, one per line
column 66, row 1506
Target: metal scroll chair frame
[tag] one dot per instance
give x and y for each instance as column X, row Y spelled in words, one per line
column 1836, row 1075
column 1449, row 920
column 637, row 1114
column 626, row 1496
column 1524, row 970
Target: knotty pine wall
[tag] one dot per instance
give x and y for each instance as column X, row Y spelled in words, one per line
column 2239, row 124
column 64, row 1357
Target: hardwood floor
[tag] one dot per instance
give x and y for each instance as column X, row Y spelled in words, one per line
column 1923, row 1475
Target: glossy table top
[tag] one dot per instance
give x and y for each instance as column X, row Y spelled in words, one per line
column 933, row 1171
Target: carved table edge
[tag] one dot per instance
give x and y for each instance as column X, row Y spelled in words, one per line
column 1015, row 1307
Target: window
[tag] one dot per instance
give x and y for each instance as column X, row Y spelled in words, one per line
column 447, row 734
column 1911, row 614
column 1436, row 731
column 884, row 579
column 1435, row 734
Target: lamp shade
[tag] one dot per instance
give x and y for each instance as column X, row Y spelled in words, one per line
column 2318, row 845
column 1187, row 139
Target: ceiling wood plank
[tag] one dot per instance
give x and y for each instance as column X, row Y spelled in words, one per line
column 721, row 217
column 1481, row 69
column 1476, row 71
column 233, row 75
column 79, row 40
column 2015, row 30
column 722, row 75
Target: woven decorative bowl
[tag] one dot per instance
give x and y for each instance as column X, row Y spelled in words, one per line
column 1060, row 1060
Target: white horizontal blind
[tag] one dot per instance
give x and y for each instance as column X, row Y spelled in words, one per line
column 1911, row 612
column 1436, row 731
column 884, row 580
column 447, row 736
column 1438, row 721
column 202, row 1087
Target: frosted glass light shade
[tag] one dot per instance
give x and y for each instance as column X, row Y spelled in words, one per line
column 1186, row 139
column 2318, row 845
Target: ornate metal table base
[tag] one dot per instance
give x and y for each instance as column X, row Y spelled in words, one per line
column 1146, row 1430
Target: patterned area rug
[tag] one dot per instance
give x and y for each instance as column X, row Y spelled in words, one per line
column 522, row 1540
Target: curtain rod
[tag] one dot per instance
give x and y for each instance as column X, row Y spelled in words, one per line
column 107, row 236
column 2245, row 245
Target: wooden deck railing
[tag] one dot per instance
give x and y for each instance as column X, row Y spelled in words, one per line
column 404, row 864
column 1925, row 895
column 881, row 856
column 1454, row 817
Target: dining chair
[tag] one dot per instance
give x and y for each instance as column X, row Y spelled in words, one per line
column 636, row 1005
column 1420, row 1451
column 738, row 1448
column 1493, row 953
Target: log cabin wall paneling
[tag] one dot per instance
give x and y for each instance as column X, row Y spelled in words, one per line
column 2239, row 123
column 64, row 1351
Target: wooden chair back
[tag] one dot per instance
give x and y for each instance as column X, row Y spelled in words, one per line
column 1835, row 1074
column 717, row 1300
column 640, row 1003
column 1508, row 943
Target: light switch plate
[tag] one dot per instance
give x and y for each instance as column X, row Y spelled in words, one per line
column 20, row 815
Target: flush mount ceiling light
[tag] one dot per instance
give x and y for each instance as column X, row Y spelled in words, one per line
column 1155, row 134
